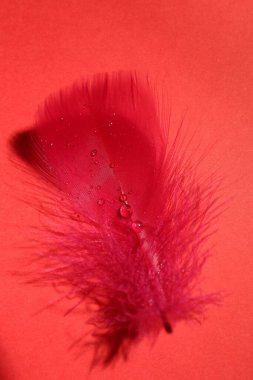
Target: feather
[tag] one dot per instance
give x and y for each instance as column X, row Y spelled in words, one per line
column 132, row 218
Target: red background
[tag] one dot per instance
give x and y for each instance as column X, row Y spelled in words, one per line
column 203, row 51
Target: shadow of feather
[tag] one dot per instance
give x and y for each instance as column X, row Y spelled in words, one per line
column 20, row 143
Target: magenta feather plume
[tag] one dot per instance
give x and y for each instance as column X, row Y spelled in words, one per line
column 130, row 235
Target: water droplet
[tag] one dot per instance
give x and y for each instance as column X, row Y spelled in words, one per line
column 110, row 123
column 61, row 118
column 125, row 211
column 96, row 162
column 93, row 152
column 101, row 202
column 51, row 144
column 137, row 226
column 112, row 165
column 123, row 198
column 98, row 187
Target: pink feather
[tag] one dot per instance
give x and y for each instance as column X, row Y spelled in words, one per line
column 133, row 217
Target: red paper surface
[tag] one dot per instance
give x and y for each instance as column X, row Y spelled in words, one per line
column 203, row 53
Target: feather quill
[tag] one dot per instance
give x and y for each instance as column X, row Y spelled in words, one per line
column 130, row 240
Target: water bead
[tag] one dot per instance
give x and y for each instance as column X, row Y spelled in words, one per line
column 93, row 152
column 125, row 211
column 137, row 226
column 101, row 202
column 123, row 198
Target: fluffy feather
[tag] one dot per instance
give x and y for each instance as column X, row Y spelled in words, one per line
column 131, row 231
